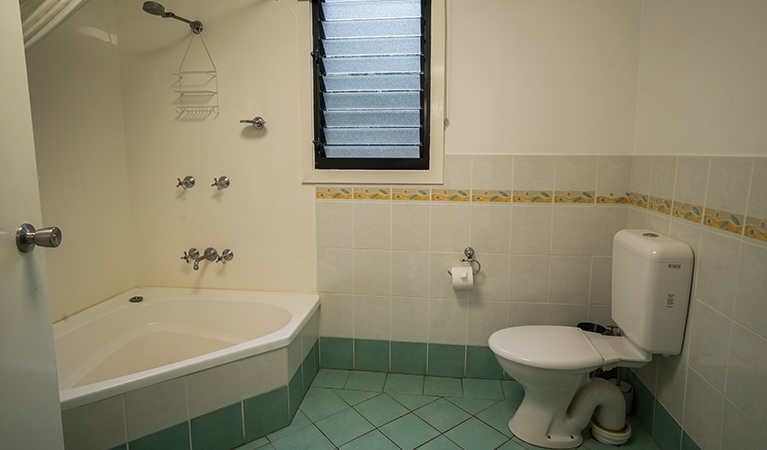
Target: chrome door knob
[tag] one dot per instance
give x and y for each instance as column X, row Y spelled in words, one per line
column 27, row 237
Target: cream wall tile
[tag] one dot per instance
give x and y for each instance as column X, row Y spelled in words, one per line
column 529, row 278
column 739, row 431
column 690, row 235
column 410, row 226
column 567, row 315
column 526, row 314
column 334, row 224
column 613, row 176
column 96, row 425
column 673, row 373
column 372, row 317
column 601, row 281
column 336, row 315
column 663, row 176
column 213, row 389
column 608, row 220
column 485, row 318
column 534, row 173
column 334, row 270
column 372, row 272
column 156, row 407
column 641, row 172
column 728, row 184
column 265, row 372
column 531, row 230
column 409, row 319
column 450, row 225
column 703, row 410
column 746, row 374
column 410, row 274
column 372, row 225
column 440, row 282
column 659, row 223
column 709, row 344
column 490, row 228
column 691, row 180
column 718, row 271
column 457, row 172
column 757, row 199
column 492, row 172
column 601, row 314
column 751, row 303
column 492, row 282
column 573, row 230
column 447, row 321
column 570, row 279
column 636, row 219
column 575, row 173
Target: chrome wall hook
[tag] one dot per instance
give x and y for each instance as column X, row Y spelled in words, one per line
column 469, row 252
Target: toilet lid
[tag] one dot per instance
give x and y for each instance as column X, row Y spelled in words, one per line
column 546, row 347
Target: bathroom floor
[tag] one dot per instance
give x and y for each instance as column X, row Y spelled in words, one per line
column 354, row 410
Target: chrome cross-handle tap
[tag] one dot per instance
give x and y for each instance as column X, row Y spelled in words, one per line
column 186, row 183
column 191, row 255
column 221, row 182
column 210, row 254
column 226, row 256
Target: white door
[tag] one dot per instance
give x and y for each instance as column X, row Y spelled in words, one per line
column 30, row 414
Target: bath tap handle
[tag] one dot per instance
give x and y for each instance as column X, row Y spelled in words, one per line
column 226, row 255
column 186, row 183
column 221, row 182
column 191, row 255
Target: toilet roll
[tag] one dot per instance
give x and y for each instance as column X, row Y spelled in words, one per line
column 463, row 277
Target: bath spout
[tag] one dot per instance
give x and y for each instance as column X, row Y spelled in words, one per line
column 603, row 396
column 210, row 254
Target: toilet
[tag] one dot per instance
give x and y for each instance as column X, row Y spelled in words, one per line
column 651, row 276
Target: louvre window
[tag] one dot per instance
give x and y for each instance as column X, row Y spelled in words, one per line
column 371, row 84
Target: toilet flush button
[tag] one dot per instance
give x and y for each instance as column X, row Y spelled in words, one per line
column 650, row 235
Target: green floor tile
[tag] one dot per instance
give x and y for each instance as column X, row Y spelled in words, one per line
column 439, row 443
column 371, row 441
column 336, row 353
column 482, row 363
column 442, row 414
column 498, row 416
column 472, row 405
column 413, row 402
column 525, row 445
column 354, row 397
column 308, row 438
column 445, row 387
column 490, row 389
column 266, row 413
column 409, row 431
column 404, row 384
column 408, row 357
column 639, row 439
column 476, row 435
column 331, row 378
column 446, row 360
column 511, row 445
column 218, row 430
column 173, row 438
column 299, row 421
column 513, row 392
column 366, row 381
column 258, row 443
column 381, row 409
column 344, row 426
column 314, row 390
column 593, row 444
column 666, row 432
column 371, row 355
column 322, row 405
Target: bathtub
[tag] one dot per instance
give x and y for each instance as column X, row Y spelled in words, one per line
column 117, row 353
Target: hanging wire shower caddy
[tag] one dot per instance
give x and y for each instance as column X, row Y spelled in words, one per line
column 198, row 100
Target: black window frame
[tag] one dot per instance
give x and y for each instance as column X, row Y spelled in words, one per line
column 390, row 164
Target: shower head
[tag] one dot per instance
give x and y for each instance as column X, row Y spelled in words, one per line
column 157, row 9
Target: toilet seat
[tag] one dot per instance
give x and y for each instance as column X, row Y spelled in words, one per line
column 565, row 348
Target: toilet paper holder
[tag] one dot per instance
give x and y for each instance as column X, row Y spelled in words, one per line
column 469, row 252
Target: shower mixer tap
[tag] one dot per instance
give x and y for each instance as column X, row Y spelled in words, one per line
column 210, row 254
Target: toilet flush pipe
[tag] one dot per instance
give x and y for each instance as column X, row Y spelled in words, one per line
column 603, row 396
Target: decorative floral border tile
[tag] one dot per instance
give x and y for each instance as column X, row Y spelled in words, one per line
column 531, row 197
column 756, row 228
column 410, row 194
column 687, row 211
column 490, row 196
column 449, row 195
column 574, row 197
column 660, row 205
column 333, row 192
column 638, row 199
column 613, row 200
column 723, row 220
column 372, row 193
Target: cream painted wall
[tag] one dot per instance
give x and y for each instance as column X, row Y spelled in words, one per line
column 542, row 77
column 74, row 83
column 702, row 75
column 266, row 216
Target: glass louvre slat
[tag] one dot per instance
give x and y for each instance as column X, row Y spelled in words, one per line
column 372, row 100
column 382, row 64
column 371, row 10
column 372, row 47
column 334, row 151
column 372, row 28
column 355, row 119
column 361, row 136
column 372, row 83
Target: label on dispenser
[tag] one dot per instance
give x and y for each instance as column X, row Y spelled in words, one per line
column 670, row 301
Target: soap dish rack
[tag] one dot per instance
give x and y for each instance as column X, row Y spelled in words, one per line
column 196, row 100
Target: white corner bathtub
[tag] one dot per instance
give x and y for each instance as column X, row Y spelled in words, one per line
column 119, row 346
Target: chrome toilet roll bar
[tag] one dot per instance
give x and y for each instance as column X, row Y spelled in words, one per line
column 469, row 252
